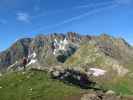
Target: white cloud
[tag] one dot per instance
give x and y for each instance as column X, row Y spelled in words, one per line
column 23, row 17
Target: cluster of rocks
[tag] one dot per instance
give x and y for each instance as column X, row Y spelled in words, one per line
column 72, row 76
column 109, row 95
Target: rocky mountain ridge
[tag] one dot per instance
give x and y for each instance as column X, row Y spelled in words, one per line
column 43, row 46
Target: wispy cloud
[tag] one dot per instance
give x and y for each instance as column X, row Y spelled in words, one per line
column 94, row 5
column 23, row 17
column 73, row 8
column 90, row 12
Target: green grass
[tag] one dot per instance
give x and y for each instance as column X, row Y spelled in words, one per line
column 37, row 85
column 121, row 86
column 17, row 86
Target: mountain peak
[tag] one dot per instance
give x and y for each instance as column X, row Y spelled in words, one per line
column 44, row 48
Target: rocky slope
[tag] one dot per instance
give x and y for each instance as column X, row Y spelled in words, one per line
column 43, row 47
column 115, row 48
column 106, row 58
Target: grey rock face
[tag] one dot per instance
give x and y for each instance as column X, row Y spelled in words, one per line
column 43, row 46
column 16, row 52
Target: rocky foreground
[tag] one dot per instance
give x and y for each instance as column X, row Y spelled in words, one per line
column 99, row 96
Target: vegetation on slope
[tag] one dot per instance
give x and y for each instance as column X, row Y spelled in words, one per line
column 33, row 85
column 37, row 85
column 90, row 56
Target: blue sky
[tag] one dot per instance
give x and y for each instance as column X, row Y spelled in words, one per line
column 27, row 18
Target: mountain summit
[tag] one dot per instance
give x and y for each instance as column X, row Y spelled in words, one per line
column 56, row 49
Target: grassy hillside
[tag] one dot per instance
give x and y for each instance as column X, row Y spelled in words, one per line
column 37, row 85
column 88, row 56
column 122, row 86
column 33, row 85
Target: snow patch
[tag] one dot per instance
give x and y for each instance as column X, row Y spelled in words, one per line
column 55, row 50
column 61, row 45
column 13, row 64
column 32, row 59
column 97, row 72
column 33, row 55
column 32, row 62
